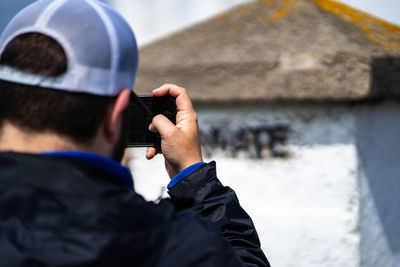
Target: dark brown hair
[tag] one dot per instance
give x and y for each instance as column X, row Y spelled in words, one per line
column 74, row 115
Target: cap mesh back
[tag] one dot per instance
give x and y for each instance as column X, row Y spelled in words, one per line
column 126, row 42
column 70, row 20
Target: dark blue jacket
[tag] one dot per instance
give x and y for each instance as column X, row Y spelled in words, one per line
column 63, row 211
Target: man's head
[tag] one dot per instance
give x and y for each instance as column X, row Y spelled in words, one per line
column 52, row 82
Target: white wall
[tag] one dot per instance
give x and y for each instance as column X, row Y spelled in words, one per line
column 305, row 207
column 333, row 202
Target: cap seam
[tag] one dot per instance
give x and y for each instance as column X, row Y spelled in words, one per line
column 48, row 13
column 113, row 41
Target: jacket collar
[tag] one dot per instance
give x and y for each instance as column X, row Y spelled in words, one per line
column 121, row 174
column 79, row 175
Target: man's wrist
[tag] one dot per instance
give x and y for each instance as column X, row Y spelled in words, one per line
column 184, row 173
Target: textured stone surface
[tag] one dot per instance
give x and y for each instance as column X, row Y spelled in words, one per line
column 278, row 50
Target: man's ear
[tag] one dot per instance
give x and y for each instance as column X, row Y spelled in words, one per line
column 114, row 116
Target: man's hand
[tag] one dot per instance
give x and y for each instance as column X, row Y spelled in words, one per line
column 180, row 144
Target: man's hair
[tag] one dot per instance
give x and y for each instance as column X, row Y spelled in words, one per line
column 74, row 115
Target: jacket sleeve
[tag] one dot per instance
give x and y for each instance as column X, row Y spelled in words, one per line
column 202, row 192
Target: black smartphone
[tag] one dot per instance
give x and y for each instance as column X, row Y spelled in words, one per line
column 141, row 111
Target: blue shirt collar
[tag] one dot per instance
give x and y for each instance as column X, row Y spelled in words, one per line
column 123, row 175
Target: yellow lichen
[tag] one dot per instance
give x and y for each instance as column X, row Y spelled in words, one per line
column 284, row 7
column 222, row 16
column 268, row 2
column 377, row 30
column 239, row 10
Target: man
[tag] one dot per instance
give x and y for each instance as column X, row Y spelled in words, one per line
column 66, row 72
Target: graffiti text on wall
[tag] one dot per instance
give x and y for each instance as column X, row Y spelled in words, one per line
column 256, row 141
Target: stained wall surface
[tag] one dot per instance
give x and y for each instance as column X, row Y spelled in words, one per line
column 301, row 189
column 324, row 188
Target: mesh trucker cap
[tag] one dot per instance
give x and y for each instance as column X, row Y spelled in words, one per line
column 100, row 46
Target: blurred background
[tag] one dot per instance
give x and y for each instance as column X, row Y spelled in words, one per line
column 298, row 105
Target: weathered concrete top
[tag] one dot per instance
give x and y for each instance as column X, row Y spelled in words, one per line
column 271, row 50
